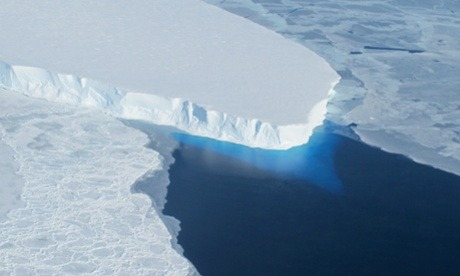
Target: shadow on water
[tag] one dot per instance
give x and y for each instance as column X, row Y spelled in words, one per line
column 252, row 212
column 312, row 163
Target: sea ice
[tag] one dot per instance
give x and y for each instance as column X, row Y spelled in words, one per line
column 10, row 182
column 79, row 215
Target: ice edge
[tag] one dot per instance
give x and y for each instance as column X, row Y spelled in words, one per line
column 176, row 112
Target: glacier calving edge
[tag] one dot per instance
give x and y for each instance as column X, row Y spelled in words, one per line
column 176, row 112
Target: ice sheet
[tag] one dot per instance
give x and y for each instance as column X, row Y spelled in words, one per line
column 79, row 215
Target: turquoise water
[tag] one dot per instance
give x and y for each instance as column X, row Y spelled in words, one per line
column 313, row 163
column 334, row 207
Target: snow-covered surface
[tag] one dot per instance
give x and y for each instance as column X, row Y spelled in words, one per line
column 79, row 216
column 183, row 49
column 10, row 182
column 399, row 62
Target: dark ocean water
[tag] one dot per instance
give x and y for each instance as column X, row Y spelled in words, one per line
column 333, row 207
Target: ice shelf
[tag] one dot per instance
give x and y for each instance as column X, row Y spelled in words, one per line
column 206, row 71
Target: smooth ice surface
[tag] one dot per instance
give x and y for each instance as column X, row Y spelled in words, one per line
column 399, row 63
column 170, row 48
column 79, row 215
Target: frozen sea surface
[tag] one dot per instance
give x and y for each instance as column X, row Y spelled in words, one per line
column 399, row 63
column 78, row 213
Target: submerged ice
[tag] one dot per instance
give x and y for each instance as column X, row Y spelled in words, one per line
column 312, row 163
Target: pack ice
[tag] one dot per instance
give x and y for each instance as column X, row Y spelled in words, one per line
column 78, row 215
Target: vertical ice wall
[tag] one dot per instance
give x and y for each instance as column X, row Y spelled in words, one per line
column 176, row 112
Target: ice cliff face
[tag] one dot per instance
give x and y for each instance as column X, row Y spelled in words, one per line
column 247, row 84
column 185, row 115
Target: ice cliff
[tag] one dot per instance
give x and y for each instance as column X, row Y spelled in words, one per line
column 183, row 114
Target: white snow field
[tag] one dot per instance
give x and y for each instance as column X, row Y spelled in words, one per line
column 399, row 62
column 210, row 72
column 78, row 214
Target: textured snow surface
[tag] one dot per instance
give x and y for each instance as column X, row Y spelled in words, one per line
column 79, row 215
column 10, row 182
column 171, row 48
column 399, row 62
